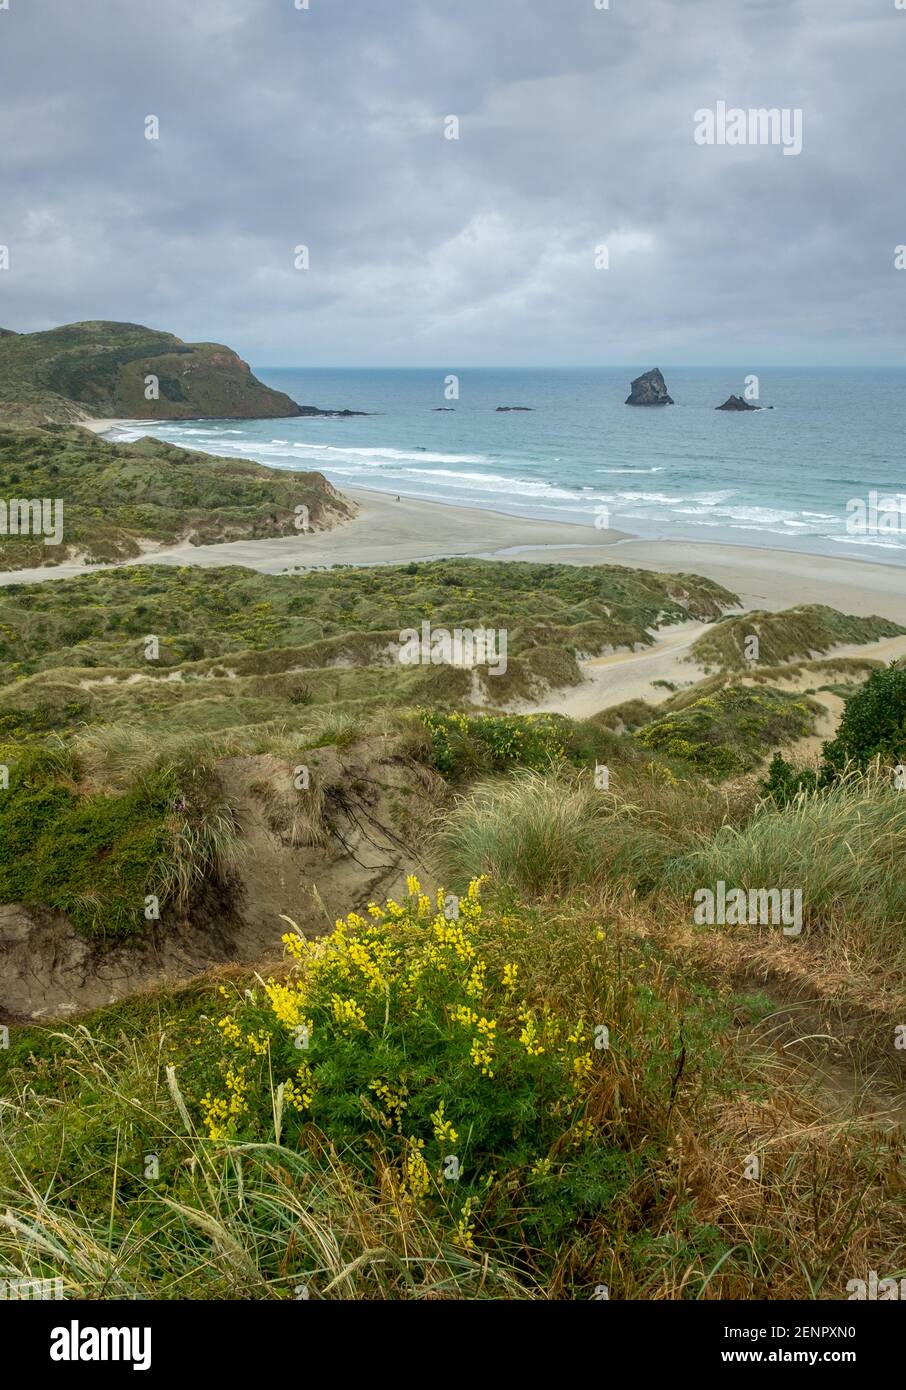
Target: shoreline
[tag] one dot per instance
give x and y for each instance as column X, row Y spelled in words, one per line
column 386, row 532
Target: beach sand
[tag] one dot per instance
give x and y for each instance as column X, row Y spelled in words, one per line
column 386, row 531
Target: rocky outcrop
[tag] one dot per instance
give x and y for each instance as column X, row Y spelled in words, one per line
column 505, row 408
column 649, row 389
column 737, row 403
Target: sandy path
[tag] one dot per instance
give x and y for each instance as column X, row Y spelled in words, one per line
column 609, row 680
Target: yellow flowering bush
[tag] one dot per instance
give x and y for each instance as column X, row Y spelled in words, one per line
column 398, row 1039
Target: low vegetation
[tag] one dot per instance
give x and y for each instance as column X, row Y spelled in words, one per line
column 789, row 636
column 119, row 498
column 542, row 1079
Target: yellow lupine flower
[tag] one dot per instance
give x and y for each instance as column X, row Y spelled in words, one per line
column 416, row 1175
column 286, row 1002
column 348, row 1013
column 444, row 1132
column 296, row 945
column 230, row 1030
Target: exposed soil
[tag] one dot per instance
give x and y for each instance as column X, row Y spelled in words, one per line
column 311, row 856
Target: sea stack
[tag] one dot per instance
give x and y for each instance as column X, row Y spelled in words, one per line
column 737, row 403
column 649, row 389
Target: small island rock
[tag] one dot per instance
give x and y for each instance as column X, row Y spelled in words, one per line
column 649, row 389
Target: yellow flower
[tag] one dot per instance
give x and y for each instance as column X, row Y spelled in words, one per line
column 444, row 1132
column 286, row 1003
column 529, row 1036
column 509, row 976
column 348, row 1014
column 394, row 1102
column 416, row 1176
column 230, row 1030
column 465, row 1230
column 296, row 945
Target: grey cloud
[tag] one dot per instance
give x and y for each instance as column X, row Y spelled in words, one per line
column 324, row 126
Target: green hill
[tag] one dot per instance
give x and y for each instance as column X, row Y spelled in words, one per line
column 99, row 369
column 120, row 497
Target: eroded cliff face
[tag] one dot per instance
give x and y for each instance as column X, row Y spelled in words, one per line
column 350, row 841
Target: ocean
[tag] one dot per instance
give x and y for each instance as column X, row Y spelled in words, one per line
column 780, row 478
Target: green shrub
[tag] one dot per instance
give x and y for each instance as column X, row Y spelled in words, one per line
column 728, row 731
column 397, row 1039
column 873, row 723
column 784, row 782
column 461, row 744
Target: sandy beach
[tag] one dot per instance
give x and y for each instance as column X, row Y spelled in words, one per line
column 387, row 531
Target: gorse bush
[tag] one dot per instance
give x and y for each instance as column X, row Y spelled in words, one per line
column 494, row 743
column 728, row 731
column 401, row 1043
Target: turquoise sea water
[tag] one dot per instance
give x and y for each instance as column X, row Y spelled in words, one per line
column 777, row 478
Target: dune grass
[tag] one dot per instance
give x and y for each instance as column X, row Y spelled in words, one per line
column 794, row 634
column 107, row 1176
column 843, row 846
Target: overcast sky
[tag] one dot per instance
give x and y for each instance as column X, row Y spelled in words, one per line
column 326, row 127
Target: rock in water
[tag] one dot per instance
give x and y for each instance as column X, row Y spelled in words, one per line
column 649, row 389
column 737, row 403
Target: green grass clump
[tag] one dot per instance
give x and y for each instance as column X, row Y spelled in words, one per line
column 843, row 846
column 97, row 857
column 546, row 834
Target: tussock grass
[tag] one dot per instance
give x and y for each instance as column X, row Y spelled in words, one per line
column 845, row 847
column 549, row 834
column 224, row 1221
